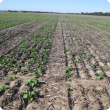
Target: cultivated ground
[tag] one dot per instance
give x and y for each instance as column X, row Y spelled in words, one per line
column 64, row 58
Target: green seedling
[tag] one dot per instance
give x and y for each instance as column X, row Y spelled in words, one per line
column 27, row 70
column 38, row 69
column 10, row 69
column 67, row 88
column 70, row 89
column 69, row 79
column 88, row 55
column 93, row 64
column 82, row 55
column 99, row 76
column 31, row 61
column 3, row 89
column 76, row 38
column 68, row 68
column 12, row 78
column 69, row 74
column 29, row 95
column 21, row 65
column 16, row 70
column 76, row 60
column 74, row 53
column 10, row 103
column 95, row 90
column 32, row 82
column 66, row 49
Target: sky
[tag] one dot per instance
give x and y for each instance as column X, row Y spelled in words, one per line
column 62, row 6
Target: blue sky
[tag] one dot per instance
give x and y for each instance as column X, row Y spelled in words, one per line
column 63, row 6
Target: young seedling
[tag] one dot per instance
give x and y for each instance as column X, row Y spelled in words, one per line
column 74, row 53
column 93, row 64
column 67, row 88
column 82, row 55
column 12, row 78
column 3, row 89
column 88, row 55
column 70, row 89
column 68, row 68
column 69, row 79
column 66, row 49
column 32, row 82
column 29, row 95
column 69, row 74
column 16, row 70
column 95, row 90
column 38, row 70
column 76, row 60
column 99, row 76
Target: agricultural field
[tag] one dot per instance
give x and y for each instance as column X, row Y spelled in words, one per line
column 54, row 62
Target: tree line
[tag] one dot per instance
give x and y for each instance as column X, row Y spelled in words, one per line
column 82, row 13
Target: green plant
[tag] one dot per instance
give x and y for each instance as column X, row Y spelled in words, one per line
column 93, row 64
column 82, row 55
column 27, row 70
column 10, row 103
column 3, row 89
column 74, row 53
column 16, row 69
column 32, row 82
column 31, row 61
column 29, row 95
column 88, row 55
column 38, row 69
column 68, row 68
column 66, row 49
column 67, row 88
column 99, row 76
column 95, row 90
column 70, row 89
column 76, row 60
column 69, row 79
column 12, row 78
column 69, row 74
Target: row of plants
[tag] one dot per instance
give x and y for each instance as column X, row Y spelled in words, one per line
column 24, row 20
column 12, row 33
column 82, row 56
column 11, row 61
column 41, row 54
